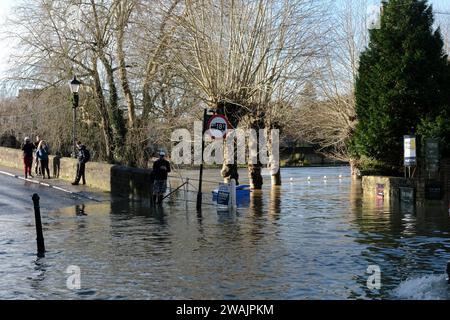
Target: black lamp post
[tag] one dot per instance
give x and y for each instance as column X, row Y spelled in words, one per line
column 74, row 88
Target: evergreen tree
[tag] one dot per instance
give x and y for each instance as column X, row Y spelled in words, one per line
column 403, row 82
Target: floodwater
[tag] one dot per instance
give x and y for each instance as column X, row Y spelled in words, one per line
column 304, row 240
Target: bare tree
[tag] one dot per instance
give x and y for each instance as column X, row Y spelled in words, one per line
column 329, row 119
column 99, row 42
column 245, row 55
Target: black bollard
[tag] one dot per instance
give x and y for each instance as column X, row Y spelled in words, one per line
column 39, row 234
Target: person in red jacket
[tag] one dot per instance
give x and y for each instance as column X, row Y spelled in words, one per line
column 27, row 148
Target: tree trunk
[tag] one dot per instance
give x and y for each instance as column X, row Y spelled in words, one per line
column 255, row 167
column 104, row 116
column 116, row 116
column 229, row 170
column 274, row 161
column 355, row 172
column 276, row 178
column 255, row 176
column 254, row 164
column 124, row 81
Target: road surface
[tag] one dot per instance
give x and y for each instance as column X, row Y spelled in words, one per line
column 16, row 193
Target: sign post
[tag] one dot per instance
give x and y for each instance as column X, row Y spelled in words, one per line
column 199, row 194
column 410, row 152
column 217, row 126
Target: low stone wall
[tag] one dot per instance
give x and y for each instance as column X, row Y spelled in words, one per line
column 425, row 187
column 388, row 186
column 131, row 182
column 119, row 180
column 11, row 158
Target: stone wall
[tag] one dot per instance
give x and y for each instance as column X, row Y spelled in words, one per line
column 119, row 180
column 390, row 186
column 131, row 182
column 419, row 182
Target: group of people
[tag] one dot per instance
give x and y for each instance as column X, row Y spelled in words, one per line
column 39, row 151
column 40, row 156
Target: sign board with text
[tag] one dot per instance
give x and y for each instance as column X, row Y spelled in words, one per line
column 223, row 196
column 432, row 156
column 410, row 146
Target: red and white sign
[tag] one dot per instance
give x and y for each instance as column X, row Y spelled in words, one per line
column 217, row 126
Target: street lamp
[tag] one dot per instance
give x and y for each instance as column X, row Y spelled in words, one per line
column 74, row 88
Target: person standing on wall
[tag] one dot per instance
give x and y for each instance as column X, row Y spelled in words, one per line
column 161, row 169
column 42, row 157
column 83, row 157
column 27, row 148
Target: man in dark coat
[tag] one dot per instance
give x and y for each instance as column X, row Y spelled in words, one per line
column 161, row 169
column 83, row 158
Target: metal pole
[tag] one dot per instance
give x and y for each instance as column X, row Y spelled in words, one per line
column 75, row 106
column 199, row 194
column 171, row 193
column 233, row 195
column 39, row 234
column 186, row 192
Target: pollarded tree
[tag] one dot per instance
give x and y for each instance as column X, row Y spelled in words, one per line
column 247, row 56
column 403, row 79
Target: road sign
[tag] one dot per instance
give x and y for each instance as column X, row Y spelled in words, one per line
column 223, row 196
column 217, row 126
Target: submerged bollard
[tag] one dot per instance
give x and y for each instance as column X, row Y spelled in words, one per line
column 39, row 234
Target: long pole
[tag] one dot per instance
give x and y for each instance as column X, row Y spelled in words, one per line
column 200, row 182
column 74, row 130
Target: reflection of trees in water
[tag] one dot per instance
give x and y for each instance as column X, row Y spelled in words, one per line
column 245, row 247
column 275, row 202
column 401, row 240
column 140, row 227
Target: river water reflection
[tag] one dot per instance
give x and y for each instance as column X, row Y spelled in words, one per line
column 304, row 240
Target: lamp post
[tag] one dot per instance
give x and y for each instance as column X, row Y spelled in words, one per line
column 74, row 88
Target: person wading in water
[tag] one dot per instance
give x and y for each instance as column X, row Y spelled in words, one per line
column 161, row 169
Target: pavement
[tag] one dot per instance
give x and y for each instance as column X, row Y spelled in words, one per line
column 16, row 193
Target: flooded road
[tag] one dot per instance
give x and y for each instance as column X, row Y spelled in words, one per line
column 304, row 240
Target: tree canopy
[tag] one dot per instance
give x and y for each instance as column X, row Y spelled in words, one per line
column 402, row 83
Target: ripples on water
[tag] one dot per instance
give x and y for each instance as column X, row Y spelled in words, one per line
column 304, row 240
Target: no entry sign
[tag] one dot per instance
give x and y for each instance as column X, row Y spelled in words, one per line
column 217, row 126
